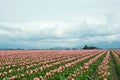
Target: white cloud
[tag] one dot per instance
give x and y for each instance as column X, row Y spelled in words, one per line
column 59, row 23
column 47, row 34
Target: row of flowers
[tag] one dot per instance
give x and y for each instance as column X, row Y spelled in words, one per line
column 102, row 71
column 12, row 62
column 68, row 65
column 116, row 59
column 85, row 67
column 43, row 67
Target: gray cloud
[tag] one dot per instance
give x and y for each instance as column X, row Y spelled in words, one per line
column 59, row 23
column 10, row 28
column 59, row 34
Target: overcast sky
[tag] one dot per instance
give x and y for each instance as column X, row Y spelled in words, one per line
column 58, row 23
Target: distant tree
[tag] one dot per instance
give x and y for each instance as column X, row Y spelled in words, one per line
column 67, row 48
column 89, row 47
column 85, row 47
column 74, row 48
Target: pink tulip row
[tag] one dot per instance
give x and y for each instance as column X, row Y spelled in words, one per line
column 32, row 59
column 45, row 67
column 102, row 70
column 17, row 61
column 117, row 55
column 85, row 67
column 32, row 63
column 50, row 65
column 68, row 65
column 117, row 51
column 9, row 61
column 41, row 68
column 21, row 57
column 27, row 66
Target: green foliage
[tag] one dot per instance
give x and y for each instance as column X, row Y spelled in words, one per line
column 91, row 71
column 117, row 65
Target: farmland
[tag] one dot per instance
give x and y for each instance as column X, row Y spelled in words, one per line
column 60, row 65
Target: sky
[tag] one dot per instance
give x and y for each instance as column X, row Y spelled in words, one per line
column 59, row 23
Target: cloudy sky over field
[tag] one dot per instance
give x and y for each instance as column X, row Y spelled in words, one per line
column 59, row 23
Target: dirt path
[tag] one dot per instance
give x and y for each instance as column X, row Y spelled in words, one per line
column 114, row 74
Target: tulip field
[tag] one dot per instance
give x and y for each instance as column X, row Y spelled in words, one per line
column 60, row 65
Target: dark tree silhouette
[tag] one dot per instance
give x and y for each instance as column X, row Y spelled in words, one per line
column 85, row 47
column 89, row 47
